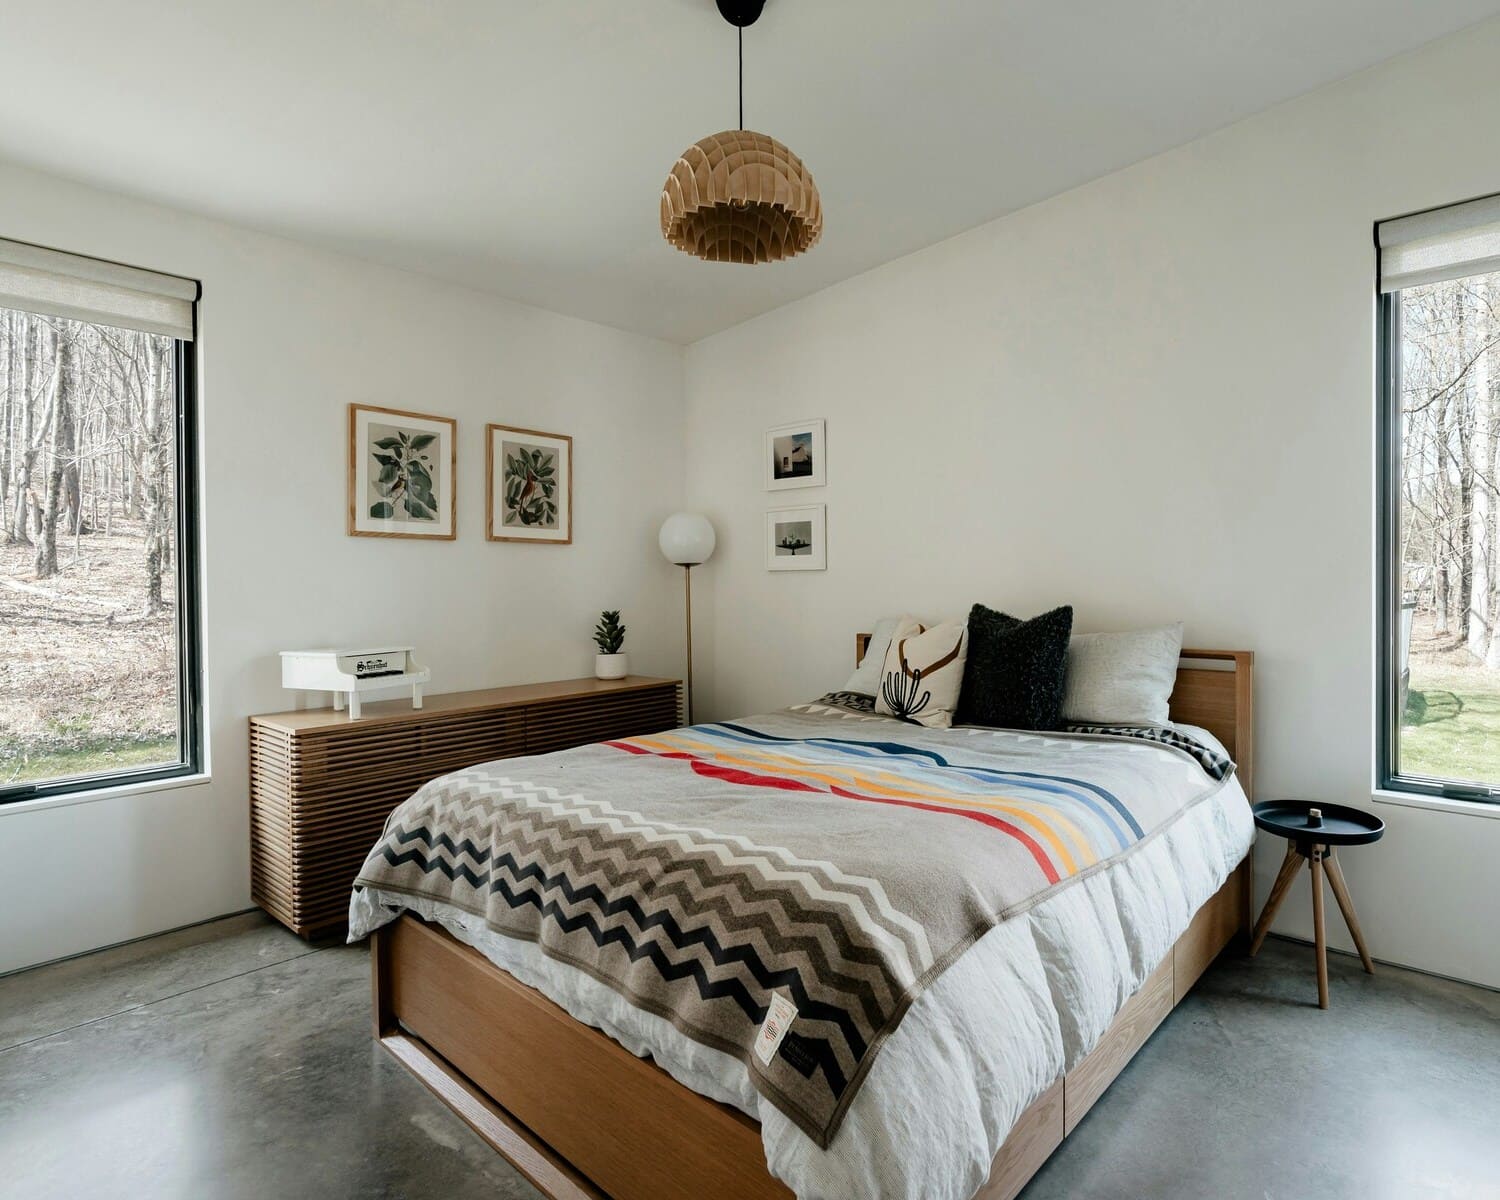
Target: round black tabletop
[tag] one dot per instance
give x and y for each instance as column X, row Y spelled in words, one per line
column 1342, row 825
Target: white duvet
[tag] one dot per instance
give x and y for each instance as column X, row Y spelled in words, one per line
column 992, row 1033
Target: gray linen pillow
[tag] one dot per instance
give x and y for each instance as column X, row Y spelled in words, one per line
column 1121, row 678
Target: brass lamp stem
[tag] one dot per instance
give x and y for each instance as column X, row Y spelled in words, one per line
column 687, row 576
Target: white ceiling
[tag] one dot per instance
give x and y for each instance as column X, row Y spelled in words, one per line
column 519, row 146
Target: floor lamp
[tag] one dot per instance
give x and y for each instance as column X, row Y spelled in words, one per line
column 687, row 539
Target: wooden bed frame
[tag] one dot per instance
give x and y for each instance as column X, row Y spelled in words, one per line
column 584, row 1119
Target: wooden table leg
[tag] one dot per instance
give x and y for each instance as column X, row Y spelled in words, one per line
column 1279, row 889
column 1315, row 862
column 1346, row 906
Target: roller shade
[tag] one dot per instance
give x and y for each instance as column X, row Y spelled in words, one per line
column 1445, row 243
column 39, row 280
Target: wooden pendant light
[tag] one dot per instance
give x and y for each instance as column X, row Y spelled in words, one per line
column 741, row 196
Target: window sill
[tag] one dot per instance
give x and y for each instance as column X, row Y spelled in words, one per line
column 1470, row 808
column 93, row 795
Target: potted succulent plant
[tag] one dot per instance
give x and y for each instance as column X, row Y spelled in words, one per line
column 609, row 635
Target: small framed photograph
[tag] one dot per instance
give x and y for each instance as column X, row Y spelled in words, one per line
column 529, row 488
column 401, row 469
column 796, row 539
column 794, row 456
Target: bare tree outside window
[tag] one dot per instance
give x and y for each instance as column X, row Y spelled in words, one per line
column 89, row 675
column 1449, row 653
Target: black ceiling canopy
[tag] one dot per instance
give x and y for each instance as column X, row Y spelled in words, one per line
column 741, row 12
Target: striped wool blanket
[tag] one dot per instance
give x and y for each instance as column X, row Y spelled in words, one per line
column 782, row 887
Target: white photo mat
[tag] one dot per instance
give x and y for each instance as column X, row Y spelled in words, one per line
column 797, row 538
column 795, row 456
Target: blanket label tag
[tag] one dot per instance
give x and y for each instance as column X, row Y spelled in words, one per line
column 778, row 1020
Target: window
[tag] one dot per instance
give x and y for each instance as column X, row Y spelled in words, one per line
column 99, row 645
column 1439, row 478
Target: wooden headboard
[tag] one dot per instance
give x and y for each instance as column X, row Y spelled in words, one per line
column 1220, row 698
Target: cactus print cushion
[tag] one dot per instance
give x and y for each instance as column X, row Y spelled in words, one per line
column 924, row 670
column 1016, row 669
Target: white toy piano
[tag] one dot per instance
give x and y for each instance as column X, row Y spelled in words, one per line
column 348, row 673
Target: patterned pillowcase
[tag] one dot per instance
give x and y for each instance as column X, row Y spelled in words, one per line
column 1016, row 669
column 1214, row 762
column 852, row 702
column 923, row 674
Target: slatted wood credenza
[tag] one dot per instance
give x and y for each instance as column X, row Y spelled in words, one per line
column 322, row 785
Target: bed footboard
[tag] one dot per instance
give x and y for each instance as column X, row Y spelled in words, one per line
column 584, row 1119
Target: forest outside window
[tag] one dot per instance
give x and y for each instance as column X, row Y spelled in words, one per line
column 99, row 638
column 1440, row 502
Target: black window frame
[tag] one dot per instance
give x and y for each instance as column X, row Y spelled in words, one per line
column 190, row 723
column 1388, row 432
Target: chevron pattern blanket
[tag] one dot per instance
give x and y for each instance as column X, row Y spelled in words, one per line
column 781, row 887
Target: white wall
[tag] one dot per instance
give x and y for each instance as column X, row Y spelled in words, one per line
column 1152, row 397
column 291, row 336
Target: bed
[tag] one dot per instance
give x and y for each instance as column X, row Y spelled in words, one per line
column 1078, row 972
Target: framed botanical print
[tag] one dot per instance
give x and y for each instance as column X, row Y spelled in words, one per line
column 796, row 539
column 401, row 469
column 529, row 493
column 794, row 456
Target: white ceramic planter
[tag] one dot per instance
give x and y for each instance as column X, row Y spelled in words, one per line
column 611, row 666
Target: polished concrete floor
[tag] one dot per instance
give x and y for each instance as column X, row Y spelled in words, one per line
column 232, row 1061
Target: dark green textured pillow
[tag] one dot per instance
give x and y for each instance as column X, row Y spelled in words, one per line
column 1014, row 676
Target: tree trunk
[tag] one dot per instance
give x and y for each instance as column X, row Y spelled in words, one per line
column 1442, row 585
column 26, row 447
column 1485, row 395
column 133, row 490
column 1464, row 427
column 93, row 491
column 156, row 473
column 63, row 452
column 72, row 485
column 1472, row 333
column 7, row 439
column 1465, row 532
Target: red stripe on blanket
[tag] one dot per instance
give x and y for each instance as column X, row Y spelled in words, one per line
column 735, row 775
column 983, row 818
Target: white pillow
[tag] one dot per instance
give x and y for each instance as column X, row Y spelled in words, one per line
column 1121, row 678
column 866, row 677
column 924, row 671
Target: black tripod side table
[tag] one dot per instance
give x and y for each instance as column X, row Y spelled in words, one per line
column 1312, row 832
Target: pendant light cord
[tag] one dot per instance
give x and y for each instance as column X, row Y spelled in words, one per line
column 741, row 30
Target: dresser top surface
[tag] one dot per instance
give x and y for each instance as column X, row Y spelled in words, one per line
column 516, row 696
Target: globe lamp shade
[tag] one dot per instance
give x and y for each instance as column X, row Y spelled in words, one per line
column 686, row 539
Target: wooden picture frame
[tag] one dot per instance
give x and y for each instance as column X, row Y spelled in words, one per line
column 391, row 507
column 806, row 440
column 544, row 510
column 797, row 538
